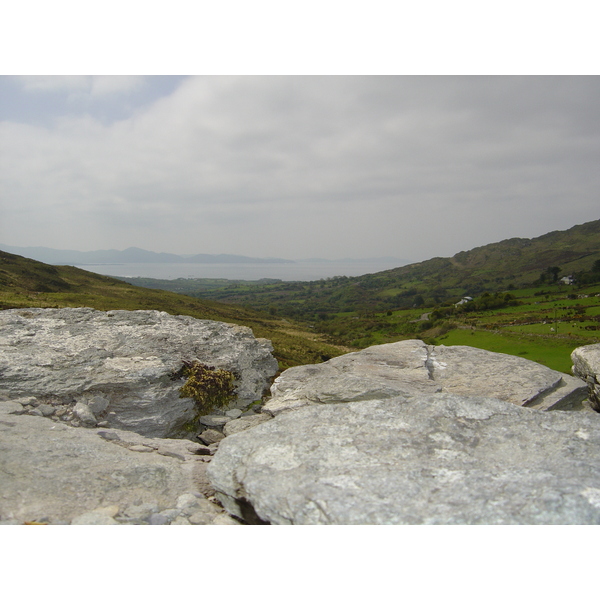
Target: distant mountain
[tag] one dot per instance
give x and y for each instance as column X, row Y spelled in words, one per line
column 130, row 255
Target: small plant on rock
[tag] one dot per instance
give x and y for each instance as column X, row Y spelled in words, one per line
column 211, row 388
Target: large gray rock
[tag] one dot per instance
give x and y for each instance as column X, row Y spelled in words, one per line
column 411, row 368
column 120, row 362
column 586, row 365
column 52, row 471
column 432, row 459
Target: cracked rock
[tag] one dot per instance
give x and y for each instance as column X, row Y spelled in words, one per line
column 120, row 364
column 411, row 368
column 432, row 459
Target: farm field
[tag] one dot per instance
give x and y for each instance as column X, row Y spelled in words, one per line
column 544, row 327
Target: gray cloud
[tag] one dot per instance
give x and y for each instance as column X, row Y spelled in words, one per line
column 300, row 166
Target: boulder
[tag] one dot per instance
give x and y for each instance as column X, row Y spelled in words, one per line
column 586, row 365
column 121, row 363
column 57, row 473
column 437, row 458
column 411, row 368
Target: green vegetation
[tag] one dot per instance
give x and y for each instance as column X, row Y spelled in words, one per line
column 211, row 388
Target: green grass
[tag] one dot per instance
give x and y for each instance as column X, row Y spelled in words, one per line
column 553, row 352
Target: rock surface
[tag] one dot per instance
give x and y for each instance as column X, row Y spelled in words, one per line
column 119, row 363
column 586, row 365
column 244, row 423
column 411, row 368
column 53, row 473
column 437, row 458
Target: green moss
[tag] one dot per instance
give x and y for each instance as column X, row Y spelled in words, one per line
column 211, row 388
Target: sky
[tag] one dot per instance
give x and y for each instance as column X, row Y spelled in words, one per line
column 328, row 132
column 296, row 166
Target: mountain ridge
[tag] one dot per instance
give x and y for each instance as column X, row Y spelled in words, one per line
column 129, row 255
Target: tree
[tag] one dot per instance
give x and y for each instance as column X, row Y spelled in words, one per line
column 554, row 271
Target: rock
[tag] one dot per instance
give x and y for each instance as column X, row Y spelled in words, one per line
column 165, row 451
column 47, row 410
column 234, row 413
column 214, row 420
column 84, row 413
column 244, row 423
column 121, row 362
column 140, row 448
column 586, row 365
column 224, row 519
column 412, row 368
column 109, row 435
column 158, row 519
column 187, row 503
column 140, row 511
column 433, row 459
column 201, row 481
column 210, row 436
column 98, row 404
column 27, row 400
column 201, row 518
column 8, row 407
column 93, row 518
column 51, row 469
column 170, row 514
column 111, row 511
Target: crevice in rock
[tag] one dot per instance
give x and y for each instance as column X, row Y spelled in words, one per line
column 429, row 362
column 248, row 513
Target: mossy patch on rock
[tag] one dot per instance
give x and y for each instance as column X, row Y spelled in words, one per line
column 211, row 388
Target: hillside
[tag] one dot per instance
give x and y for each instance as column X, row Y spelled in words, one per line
column 509, row 264
column 29, row 283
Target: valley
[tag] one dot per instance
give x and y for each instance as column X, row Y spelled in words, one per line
column 505, row 297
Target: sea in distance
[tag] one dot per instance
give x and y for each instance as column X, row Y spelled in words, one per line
column 293, row 271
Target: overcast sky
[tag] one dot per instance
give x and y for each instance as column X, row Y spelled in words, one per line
column 296, row 167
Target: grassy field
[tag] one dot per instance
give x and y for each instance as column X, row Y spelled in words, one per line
column 545, row 327
column 551, row 351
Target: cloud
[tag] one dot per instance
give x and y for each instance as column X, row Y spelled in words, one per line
column 94, row 85
column 300, row 166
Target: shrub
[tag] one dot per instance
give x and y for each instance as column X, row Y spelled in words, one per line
column 211, row 388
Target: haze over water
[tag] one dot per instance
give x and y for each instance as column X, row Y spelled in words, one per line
column 298, row 271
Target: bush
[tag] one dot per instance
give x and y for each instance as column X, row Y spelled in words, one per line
column 211, row 388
